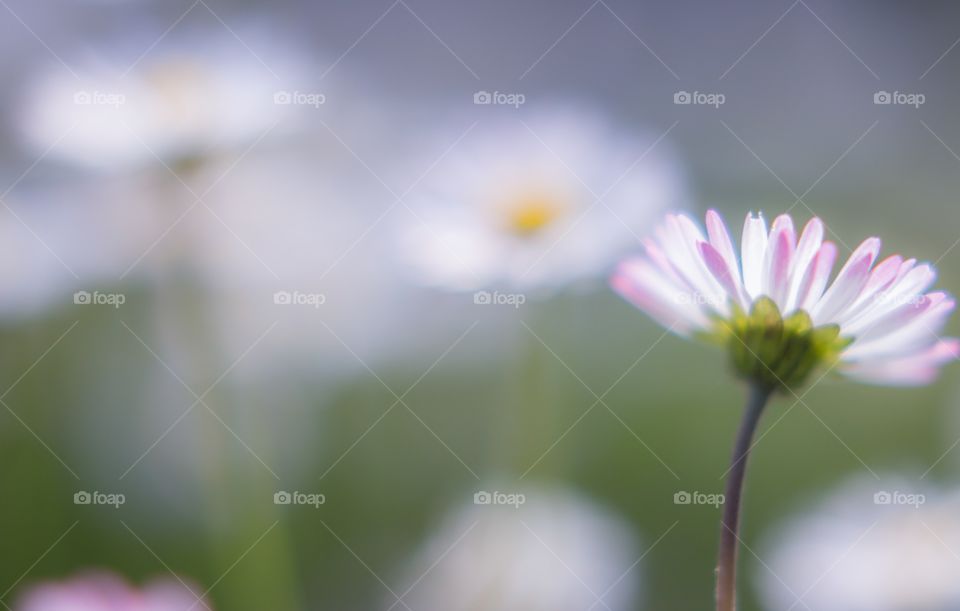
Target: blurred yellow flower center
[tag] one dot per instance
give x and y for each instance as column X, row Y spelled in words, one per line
column 180, row 83
column 531, row 213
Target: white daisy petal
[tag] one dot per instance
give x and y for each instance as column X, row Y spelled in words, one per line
column 752, row 251
column 807, row 249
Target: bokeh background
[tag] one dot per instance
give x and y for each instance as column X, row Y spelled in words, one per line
column 198, row 195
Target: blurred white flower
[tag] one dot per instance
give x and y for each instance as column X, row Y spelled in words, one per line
column 178, row 102
column 538, row 201
column 276, row 280
column 171, row 123
column 558, row 551
column 102, row 591
column 61, row 239
column 280, row 242
column 871, row 545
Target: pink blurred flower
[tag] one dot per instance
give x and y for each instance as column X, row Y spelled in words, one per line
column 102, row 591
column 877, row 320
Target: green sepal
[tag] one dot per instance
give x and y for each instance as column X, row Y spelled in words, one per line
column 773, row 351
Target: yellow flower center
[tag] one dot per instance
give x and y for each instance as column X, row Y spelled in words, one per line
column 531, row 213
column 182, row 85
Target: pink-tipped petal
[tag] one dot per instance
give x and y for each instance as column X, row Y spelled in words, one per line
column 724, row 273
column 914, row 282
column 693, row 269
column 779, row 256
column 893, row 318
column 817, row 276
column 784, row 224
column 720, row 240
column 919, row 331
column 881, row 278
column 905, row 268
column 849, row 282
column 912, row 370
column 672, row 306
column 906, row 289
column 660, row 259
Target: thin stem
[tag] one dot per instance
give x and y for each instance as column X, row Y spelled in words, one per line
column 730, row 526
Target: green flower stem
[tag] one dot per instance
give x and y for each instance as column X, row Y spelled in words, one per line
column 730, row 525
column 237, row 502
column 527, row 423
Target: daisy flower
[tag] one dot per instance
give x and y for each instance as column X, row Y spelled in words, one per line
column 102, row 591
column 557, row 551
column 888, row 545
column 780, row 317
column 537, row 201
column 181, row 102
column 776, row 309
